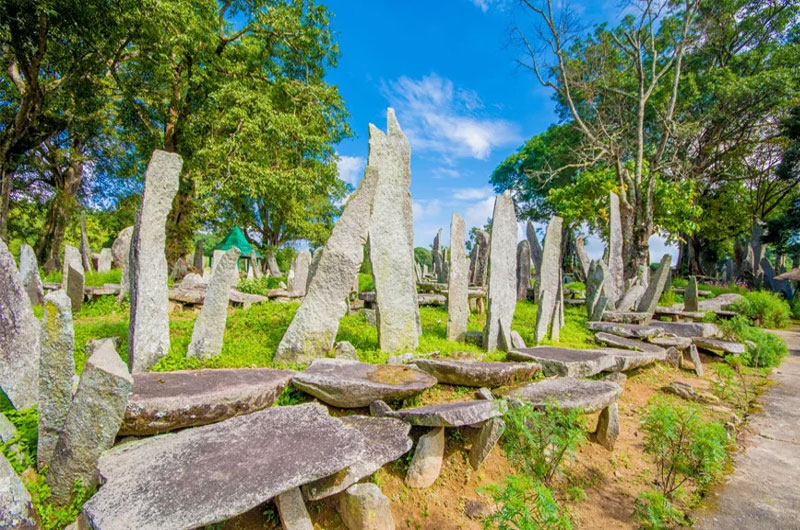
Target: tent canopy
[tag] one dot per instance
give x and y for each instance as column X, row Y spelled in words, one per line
column 236, row 238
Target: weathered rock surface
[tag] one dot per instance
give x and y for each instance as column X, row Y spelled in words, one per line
column 345, row 350
column 104, row 261
column 19, row 337
column 72, row 258
column 121, row 251
column 457, row 283
column 536, row 250
column 615, row 283
column 436, row 255
column 549, row 282
column 292, row 511
column 680, row 343
column 523, row 269
column 688, row 329
column 148, row 333
column 608, row 426
column 720, row 303
column 633, row 331
column 165, row 401
column 455, row 414
column 651, row 296
column 631, row 344
column 694, row 356
column 569, row 393
column 16, row 508
column 29, row 273
column 484, row 442
column 477, row 373
column 75, row 284
column 502, row 296
column 85, row 249
column 631, row 298
column 517, row 340
column 630, row 359
column 626, row 317
column 426, row 464
column 211, row 473
column 302, row 263
column 365, row 507
column 479, row 273
column 565, row 362
column 583, row 257
column 690, row 300
column 386, row 440
column 595, row 284
column 718, row 346
column 352, row 384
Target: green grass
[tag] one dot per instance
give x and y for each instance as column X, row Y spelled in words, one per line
column 92, row 279
column 574, row 334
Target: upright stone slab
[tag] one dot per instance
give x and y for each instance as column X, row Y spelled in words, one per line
column 56, row 370
column 19, row 337
column 503, row 280
column 313, row 330
column 121, row 250
column 272, row 264
column 148, row 333
column 16, row 508
column 655, row 288
column 759, row 250
column 209, row 328
column 365, row 507
column 85, row 249
column 302, row 263
column 536, row 251
column 75, row 285
column 255, row 265
column 92, row 422
column 29, row 273
column 549, row 281
column 595, row 281
column 72, row 258
column 458, row 283
column 436, row 254
column 391, row 239
column 482, row 240
column 523, row 269
column 616, row 266
column 104, row 261
column 690, row 300
column 583, row 257
column 197, row 259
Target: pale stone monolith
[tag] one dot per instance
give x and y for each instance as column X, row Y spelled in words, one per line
column 255, row 266
column 458, row 283
column 85, row 249
column 91, row 424
column 75, row 284
column 299, row 282
column 364, row 507
column 72, row 258
column 121, row 251
column 690, row 300
column 502, row 293
column 148, row 333
column 56, row 370
column 536, row 251
column 391, row 239
column 615, row 281
column 292, row 511
column 479, row 273
column 583, row 257
column 595, row 281
column 272, row 264
column 104, row 261
column 655, row 288
column 29, row 273
column 209, row 328
column 436, row 255
column 549, row 281
column 523, row 269
column 426, row 464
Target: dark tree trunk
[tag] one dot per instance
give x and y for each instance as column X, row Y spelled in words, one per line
column 60, row 208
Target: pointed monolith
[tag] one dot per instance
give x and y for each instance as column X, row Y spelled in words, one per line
column 299, row 282
column 549, row 280
column 655, row 288
column 85, row 249
column 615, row 283
column 523, row 269
column 457, row 283
column 536, row 251
column 502, row 295
column 29, row 273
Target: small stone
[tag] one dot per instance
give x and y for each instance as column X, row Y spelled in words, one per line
column 517, row 340
column 485, row 441
column 17, row 511
column 484, row 393
column 608, row 426
column 694, row 356
column 345, row 350
column 426, row 463
column 618, row 378
column 29, row 273
column 476, row 509
column 365, row 507
column 292, row 511
column 682, row 390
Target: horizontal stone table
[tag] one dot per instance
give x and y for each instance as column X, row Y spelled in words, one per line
column 615, row 341
column 477, row 373
column 565, row 362
column 718, row 346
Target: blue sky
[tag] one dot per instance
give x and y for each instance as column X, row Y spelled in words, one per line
column 448, row 69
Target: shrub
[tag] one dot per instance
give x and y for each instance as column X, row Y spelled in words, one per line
column 259, row 285
column 796, row 307
column 766, row 308
column 679, row 282
column 525, row 504
column 655, row 512
column 365, row 282
column 763, row 349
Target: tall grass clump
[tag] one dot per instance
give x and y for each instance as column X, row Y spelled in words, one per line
column 765, row 309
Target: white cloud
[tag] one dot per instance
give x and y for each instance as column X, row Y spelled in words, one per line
column 484, row 5
column 351, row 168
column 438, row 117
column 471, row 194
column 425, row 209
column 477, row 213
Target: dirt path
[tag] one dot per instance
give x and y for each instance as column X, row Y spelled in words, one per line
column 764, row 490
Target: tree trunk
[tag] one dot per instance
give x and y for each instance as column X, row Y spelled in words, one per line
column 60, row 209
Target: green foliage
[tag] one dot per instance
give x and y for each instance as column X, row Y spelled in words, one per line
column 365, row 282
column 574, row 333
column 766, row 308
column 291, row 396
column 103, row 306
column 669, row 297
column 55, row 518
column 680, row 282
column 763, row 349
column 98, row 279
column 260, row 285
column 525, row 504
column 20, row 450
column 655, row 512
column 423, row 256
column 577, row 287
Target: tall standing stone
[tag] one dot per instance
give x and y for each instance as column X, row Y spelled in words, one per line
column 482, row 240
column 104, row 261
column 209, row 328
column 19, row 337
column 272, row 264
column 72, row 258
column 595, row 282
column 690, row 300
column 457, row 283
column 549, row 280
column 255, row 266
column 503, row 279
column 121, row 251
column 391, row 238
column 759, row 250
column 302, row 263
column 436, row 254
column 523, row 269
column 29, row 273
column 75, row 283
column 197, row 259
column 536, row 251
column 92, row 423
column 85, row 249
column 616, row 267
column 656, row 286
column 583, row 257
column 148, row 333
column 56, row 370
column 313, row 330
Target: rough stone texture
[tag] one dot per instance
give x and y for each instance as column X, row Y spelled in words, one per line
column 209, row 328
column 19, row 337
column 365, row 507
column 536, row 251
column 345, row 350
column 523, row 269
column 351, row 384
column 690, row 301
column 484, row 442
column 631, row 297
column 301, row 266
column 565, row 362
column 56, row 371
column 694, row 356
column 651, row 296
column 618, row 378
column 615, row 282
column 75, row 285
column 386, row 440
column 595, row 283
column 72, row 257
column 502, row 260
column 29, row 273
column 583, row 257
column 720, row 303
column 148, row 333
column 16, row 508
column 198, row 259
column 569, row 393
column 165, row 401
column 391, row 239
column 85, row 249
column 608, row 426
column 631, row 344
column 211, row 473
column 104, row 261
column 292, row 511
column 482, row 244
column 92, row 422
column 680, row 343
column 313, row 330
column 455, row 414
column 121, row 250
column 272, row 264
column 688, row 329
column 436, row 255
column 477, row 373
column 517, row 340
column 630, row 359
column 548, row 280
column 634, row 331
column 484, row 393
column 718, row 346
column 457, row 283
column 426, row 464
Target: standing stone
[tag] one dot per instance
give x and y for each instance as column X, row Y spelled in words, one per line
column 616, row 267
column 197, row 259
column 209, row 328
column 148, row 333
column 364, row 507
column 482, row 240
column 85, row 250
column 694, row 356
column 313, row 330
column 92, row 423
column 558, row 311
column 583, row 257
column 485, row 440
column 19, row 337
column 299, row 282
column 769, row 275
column 728, row 270
column 523, row 269
column 72, row 258
column 56, row 370
column 608, row 426
column 292, row 511
column 631, row 297
column 29, row 273
column 215, row 257
column 550, row 279
column 16, row 508
column 255, row 266
column 690, row 301
column 458, row 283
column 536, row 251
column 121, row 250
column 595, row 281
column 655, row 288
column 436, row 254
column 391, row 249
column 75, row 285
column 104, row 261
column 272, row 264
column 759, row 250
column 503, row 280
column 426, row 464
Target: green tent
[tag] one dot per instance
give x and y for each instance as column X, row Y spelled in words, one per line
column 235, row 238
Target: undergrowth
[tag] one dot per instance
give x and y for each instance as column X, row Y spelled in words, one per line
column 765, row 308
column 762, row 348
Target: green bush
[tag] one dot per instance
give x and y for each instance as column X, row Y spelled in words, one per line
column 525, row 504
column 679, row 282
column 259, row 285
column 796, row 307
column 365, row 282
column 654, row 512
column 763, row 349
column 766, row 308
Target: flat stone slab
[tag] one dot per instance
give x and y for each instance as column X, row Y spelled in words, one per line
column 629, row 344
column 632, row 331
column 671, row 342
column 718, row 345
column 626, row 317
column 720, row 303
column 569, row 393
column 456, row 414
column 211, row 473
column 162, row 402
column 687, row 329
column 677, row 311
column 565, row 362
column 352, row 384
column 477, row 373
column 630, row 359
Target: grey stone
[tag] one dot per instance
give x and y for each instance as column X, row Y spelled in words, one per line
column 615, row 282
column 718, row 346
column 198, row 260
column 565, row 362
column 484, row 393
column 484, row 442
column 272, row 264
column 91, row 424
column 121, row 250
column 209, row 328
column 626, row 317
column 19, row 337
column 630, row 359
column 634, row 331
column 477, row 373
column 631, row 344
column 651, row 296
column 482, row 244
column 29, row 273
column 607, row 430
column 683, row 390
column 688, row 329
column 569, row 393
column 93, row 345
column 56, row 371
column 365, row 507
column 595, row 281
column 345, row 350
column 85, row 249
column 166, row 401
column 252, row 458
column 536, row 251
column 302, row 263
column 351, row 384
column 618, row 378
column 690, row 301
column 426, row 464
column 516, row 340
column 583, row 257
column 458, row 283
column 758, row 248
column 436, row 255
column 719, row 303
column 549, row 281
column 313, row 330
column 454, row 414
column 502, row 282
column 599, row 308
column 680, row 343
column 148, row 333
column 523, row 269
column 386, row 440
column 17, row 511
column 631, row 298
column 75, row 286
column 694, row 356
column 558, row 311
column 72, row 258
column 292, row 511
column 104, row 262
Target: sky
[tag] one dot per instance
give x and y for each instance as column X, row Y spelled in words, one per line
column 448, row 68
